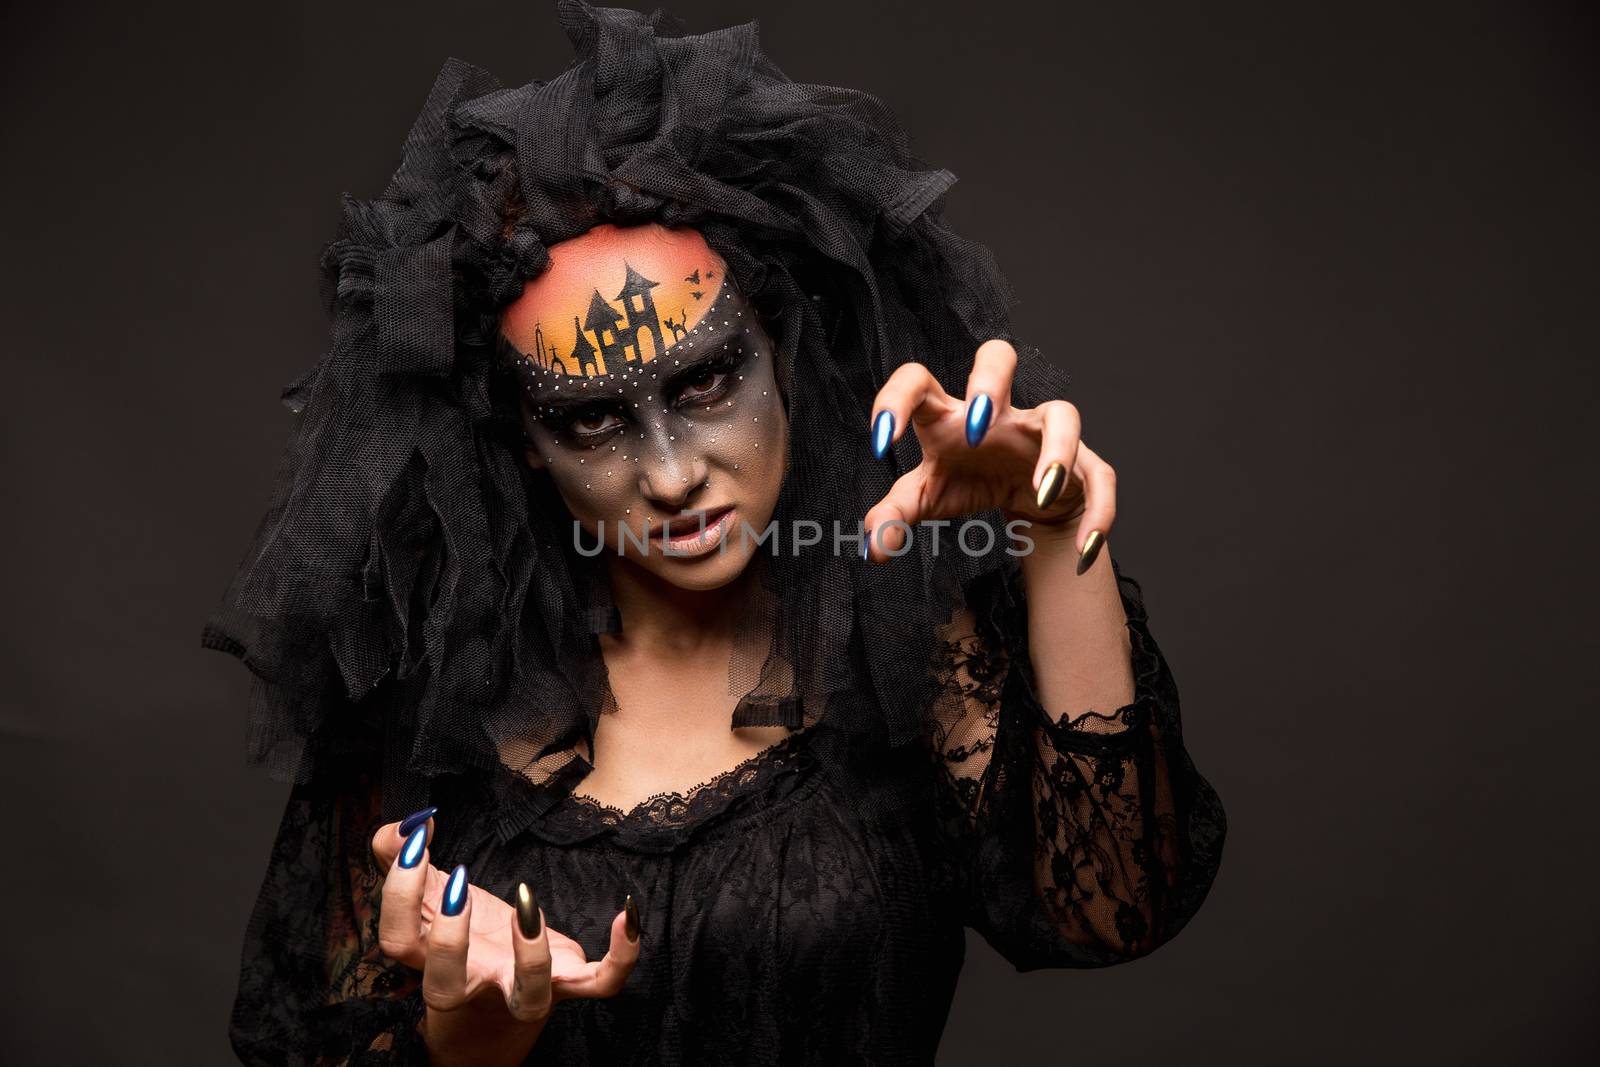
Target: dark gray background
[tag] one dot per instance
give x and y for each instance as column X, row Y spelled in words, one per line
column 1325, row 281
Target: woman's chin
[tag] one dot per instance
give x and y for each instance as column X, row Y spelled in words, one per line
column 708, row 572
column 713, row 570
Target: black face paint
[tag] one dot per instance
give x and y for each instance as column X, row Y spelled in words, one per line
column 695, row 431
column 702, row 372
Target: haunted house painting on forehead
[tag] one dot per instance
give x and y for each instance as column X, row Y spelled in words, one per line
column 615, row 301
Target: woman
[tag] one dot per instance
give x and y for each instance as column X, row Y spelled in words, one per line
column 563, row 563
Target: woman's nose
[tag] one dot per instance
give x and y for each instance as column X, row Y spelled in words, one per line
column 672, row 477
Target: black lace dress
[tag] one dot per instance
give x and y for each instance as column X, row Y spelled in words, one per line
column 804, row 907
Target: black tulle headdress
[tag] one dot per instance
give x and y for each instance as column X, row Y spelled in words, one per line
column 413, row 583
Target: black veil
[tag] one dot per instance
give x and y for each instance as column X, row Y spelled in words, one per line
column 414, row 576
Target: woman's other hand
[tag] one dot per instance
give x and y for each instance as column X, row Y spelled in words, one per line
column 491, row 972
column 980, row 452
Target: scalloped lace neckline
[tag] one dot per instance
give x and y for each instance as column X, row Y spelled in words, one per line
column 674, row 807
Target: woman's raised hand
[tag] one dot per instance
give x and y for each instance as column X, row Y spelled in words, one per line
column 980, row 453
column 491, row 972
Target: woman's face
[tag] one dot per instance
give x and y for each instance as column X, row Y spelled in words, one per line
column 649, row 395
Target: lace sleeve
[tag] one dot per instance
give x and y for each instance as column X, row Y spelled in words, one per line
column 313, row 986
column 1080, row 843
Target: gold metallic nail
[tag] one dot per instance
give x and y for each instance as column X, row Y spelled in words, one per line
column 1055, row 477
column 527, row 912
column 1091, row 549
column 631, row 922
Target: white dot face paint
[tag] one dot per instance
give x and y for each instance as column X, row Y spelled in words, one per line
column 698, row 471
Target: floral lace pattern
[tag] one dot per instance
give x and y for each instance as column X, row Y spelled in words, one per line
column 677, row 808
column 1122, row 835
column 670, row 818
column 342, row 1004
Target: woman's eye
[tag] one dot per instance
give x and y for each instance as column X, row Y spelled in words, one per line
column 703, row 384
column 593, row 423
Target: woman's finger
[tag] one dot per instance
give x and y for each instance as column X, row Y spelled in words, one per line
column 529, row 997
column 604, row 978
column 444, row 973
column 1099, row 507
column 391, row 835
column 989, row 387
column 911, row 396
column 890, row 521
column 1059, row 427
column 400, row 907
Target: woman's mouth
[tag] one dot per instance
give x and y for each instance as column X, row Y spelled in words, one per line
column 695, row 534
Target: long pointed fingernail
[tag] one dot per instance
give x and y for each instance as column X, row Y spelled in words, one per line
column 411, row 852
column 455, row 892
column 1091, row 549
column 882, row 434
column 416, row 819
column 979, row 412
column 630, row 922
column 527, row 912
column 866, row 543
column 1055, row 477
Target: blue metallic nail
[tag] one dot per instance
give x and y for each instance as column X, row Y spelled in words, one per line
column 866, row 543
column 455, row 892
column 979, row 412
column 882, row 434
column 411, row 854
column 411, row 822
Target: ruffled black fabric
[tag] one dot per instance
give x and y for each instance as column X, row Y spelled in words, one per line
column 408, row 540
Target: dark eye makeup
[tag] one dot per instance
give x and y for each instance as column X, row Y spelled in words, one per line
column 700, row 384
column 705, row 381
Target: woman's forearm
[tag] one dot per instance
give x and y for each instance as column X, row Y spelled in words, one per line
column 1078, row 637
column 1106, row 809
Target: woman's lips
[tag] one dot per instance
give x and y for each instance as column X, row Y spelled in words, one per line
column 695, row 534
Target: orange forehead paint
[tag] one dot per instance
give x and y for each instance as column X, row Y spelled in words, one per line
column 614, row 299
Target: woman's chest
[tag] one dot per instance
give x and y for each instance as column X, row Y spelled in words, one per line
column 799, row 883
column 634, row 763
column 794, row 898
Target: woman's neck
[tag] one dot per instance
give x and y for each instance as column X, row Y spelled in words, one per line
column 663, row 617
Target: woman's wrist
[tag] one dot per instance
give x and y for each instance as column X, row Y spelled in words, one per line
column 1051, row 536
column 1049, row 527
column 466, row 1038
column 1078, row 638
